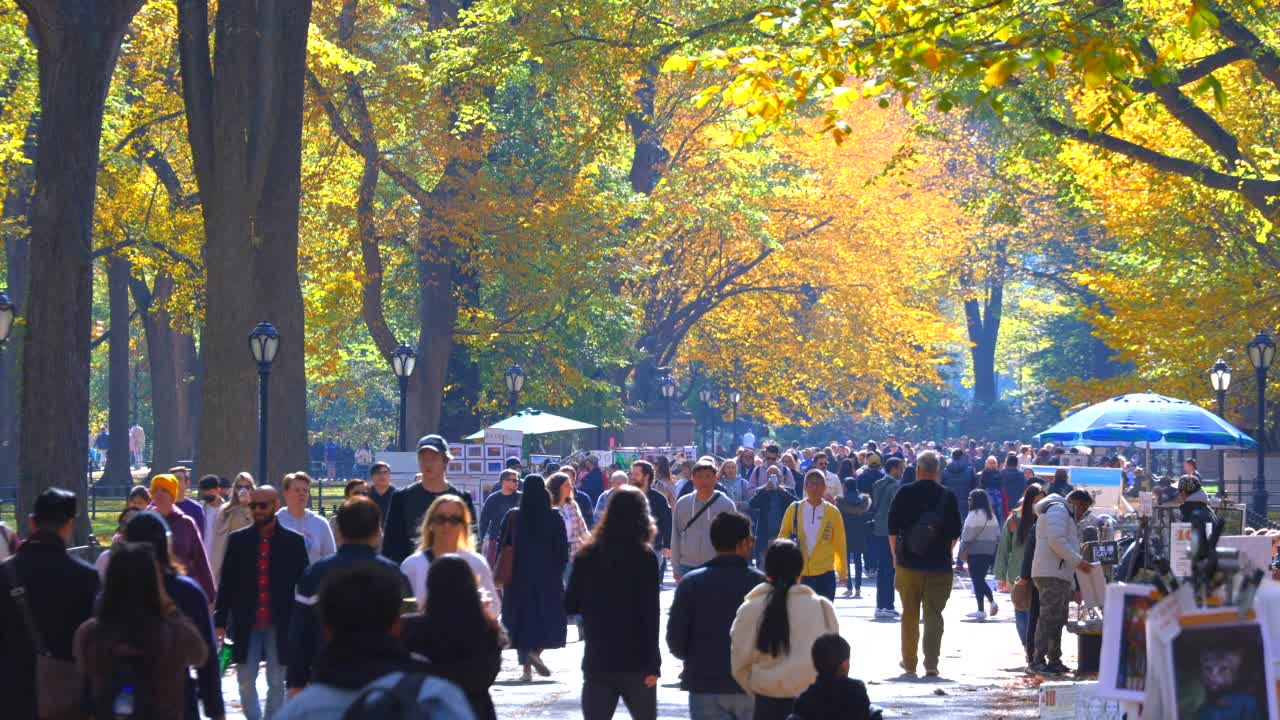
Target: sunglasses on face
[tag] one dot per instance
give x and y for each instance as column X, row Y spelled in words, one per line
column 447, row 520
column 362, row 493
column 244, row 487
column 259, row 505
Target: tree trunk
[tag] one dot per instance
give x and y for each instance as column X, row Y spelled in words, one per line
column 117, row 473
column 245, row 130
column 438, row 315
column 17, row 204
column 189, row 371
column 78, row 45
column 984, row 332
column 160, row 358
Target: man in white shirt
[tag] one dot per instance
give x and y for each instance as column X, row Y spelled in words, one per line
column 211, row 503
column 616, row 480
column 834, row 488
column 295, row 516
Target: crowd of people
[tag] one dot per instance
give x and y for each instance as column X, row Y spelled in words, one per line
column 245, row 575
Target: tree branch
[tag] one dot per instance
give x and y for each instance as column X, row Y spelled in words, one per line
column 1265, row 57
column 1197, row 70
column 197, row 84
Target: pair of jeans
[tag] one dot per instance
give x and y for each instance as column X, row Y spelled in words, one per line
column 824, row 584
column 771, row 708
column 885, row 577
column 601, row 690
column 1055, row 598
column 261, row 647
column 1033, row 618
column 979, row 566
column 853, row 580
column 720, row 706
column 929, row 590
column 1020, row 619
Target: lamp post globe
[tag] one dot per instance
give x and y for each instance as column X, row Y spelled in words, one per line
column 668, row 386
column 515, row 383
column 1220, row 381
column 403, row 361
column 264, row 342
column 735, row 397
column 946, row 405
column 705, row 396
column 1262, row 352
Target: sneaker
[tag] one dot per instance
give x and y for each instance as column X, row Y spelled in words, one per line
column 1057, row 668
column 538, row 665
column 977, row 615
column 1036, row 669
column 895, row 612
column 931, row 673
column 847, row 593
column 903, row 664
column 994, row 609
column 882, row 614
column 857, row 595
column 527, row 675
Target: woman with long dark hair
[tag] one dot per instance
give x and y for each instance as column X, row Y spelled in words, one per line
column 457, row 634
column 615, row 576
column 190, row 600
column 137, row 649
column 533, row 604
column 773, row 634
column 1027, row 538
column 978, row 541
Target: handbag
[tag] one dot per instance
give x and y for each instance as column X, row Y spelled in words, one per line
column 504, row 569
column 59, row 683
column 1020, row 595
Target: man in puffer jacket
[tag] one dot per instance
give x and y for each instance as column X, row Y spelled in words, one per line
column 958, row 477
column 1053, row 567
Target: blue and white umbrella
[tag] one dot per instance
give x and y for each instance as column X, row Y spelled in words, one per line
column 1159, row 422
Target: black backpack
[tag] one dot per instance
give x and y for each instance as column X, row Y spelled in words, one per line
column 398, row 702
column 129, row 688
column 928, row 526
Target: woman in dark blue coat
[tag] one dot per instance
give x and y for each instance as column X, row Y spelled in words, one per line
column 533, row 604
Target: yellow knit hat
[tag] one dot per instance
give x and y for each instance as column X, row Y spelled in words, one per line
column 167, row 483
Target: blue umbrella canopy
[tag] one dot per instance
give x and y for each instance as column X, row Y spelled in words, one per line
column 1140, row 418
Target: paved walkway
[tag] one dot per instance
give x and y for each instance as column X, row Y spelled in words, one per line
column 981, row 669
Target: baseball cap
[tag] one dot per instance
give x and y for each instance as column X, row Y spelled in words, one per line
column 433, row 442
column 514, row 462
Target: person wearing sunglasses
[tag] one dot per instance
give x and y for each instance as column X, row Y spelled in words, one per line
column 354, row 488
column 446, row 530
column 260, row 573
column 234, row 516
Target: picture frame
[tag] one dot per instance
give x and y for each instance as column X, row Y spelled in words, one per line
column 493, row 452
column 1122, row 670
column 493, row 467
column 475, row 451
column 457, row 451
column 475, row 467
column 457, row 467
column 1217, row 658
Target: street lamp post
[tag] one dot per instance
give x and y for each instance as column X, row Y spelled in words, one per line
column 705, row 396
column 515, row 383
column 668, row 385
column 946, row 404
column 735, row 397
column 264, row 341
column 1262, row 351
column 1220, row 379
column 403, row 362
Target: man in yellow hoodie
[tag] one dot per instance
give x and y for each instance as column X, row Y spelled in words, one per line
column 816, row 526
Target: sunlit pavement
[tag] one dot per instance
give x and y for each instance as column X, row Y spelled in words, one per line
column 980, row 669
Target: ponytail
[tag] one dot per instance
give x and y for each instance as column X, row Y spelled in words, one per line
column 783, row 563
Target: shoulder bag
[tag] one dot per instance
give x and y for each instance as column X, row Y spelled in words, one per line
column 504, row 569
column 59, row 683
column 694, row 519
column 1020, row 595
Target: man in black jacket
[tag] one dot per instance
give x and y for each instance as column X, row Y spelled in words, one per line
column 261, row 569
column 705, row 604
column 360, row 525
column 495, row 508
column 59, row 590
column 958, row 477
column 642, row 477
column 409, row 504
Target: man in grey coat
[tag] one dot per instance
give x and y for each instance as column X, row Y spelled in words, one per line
column 691, row 522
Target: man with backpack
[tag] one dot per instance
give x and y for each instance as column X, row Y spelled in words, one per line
column 924, row 525
column 363, row 670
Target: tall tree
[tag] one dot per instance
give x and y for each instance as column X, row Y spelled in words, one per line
column 244, row 123
column 119, row 461
column 78, row 44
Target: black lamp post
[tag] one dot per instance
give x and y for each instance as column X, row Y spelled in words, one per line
column 403, row 362
column 735, row 397
column 668, row 386
column 515, row 383
column 705, row 396
column 1220, row 379
column 1262, row 351
column 264, row 341
column 946, row 405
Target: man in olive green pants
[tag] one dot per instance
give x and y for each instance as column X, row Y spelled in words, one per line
column 923, row 573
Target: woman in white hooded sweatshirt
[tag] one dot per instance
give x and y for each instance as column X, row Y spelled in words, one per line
column 772, row 636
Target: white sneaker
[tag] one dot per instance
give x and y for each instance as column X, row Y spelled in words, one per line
column 977, row 615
